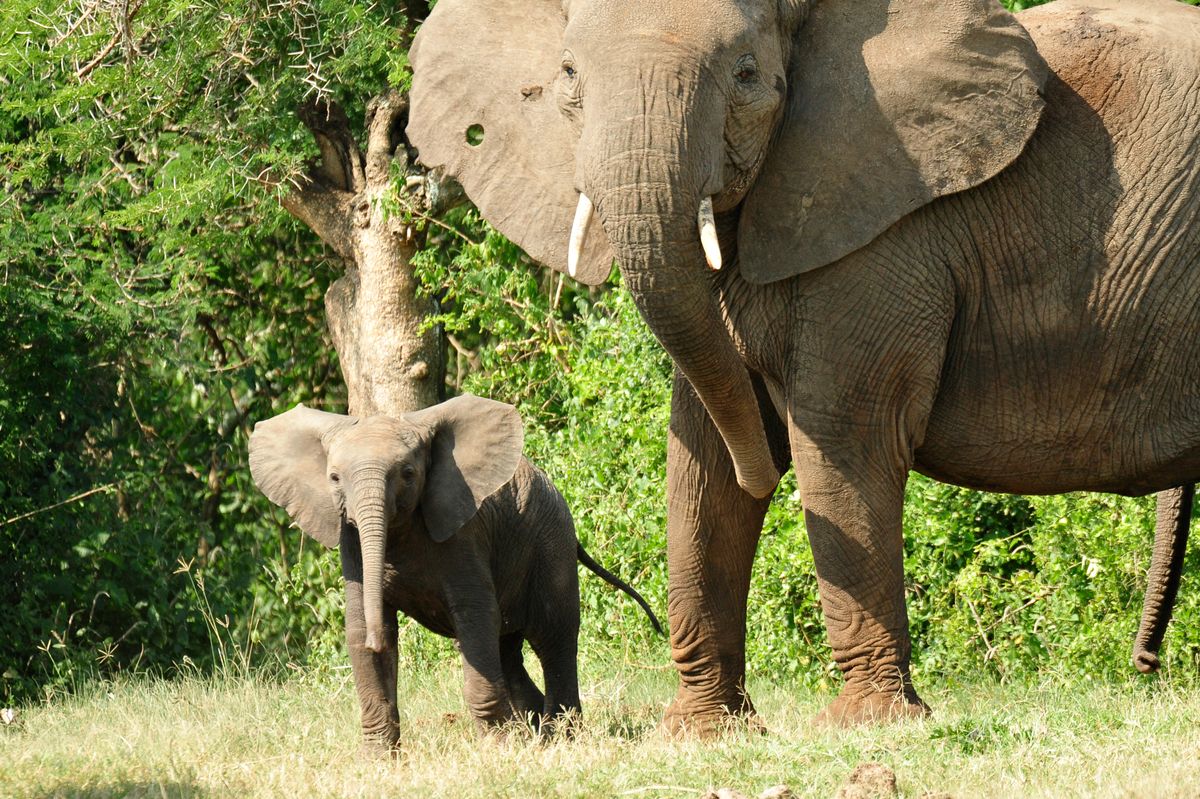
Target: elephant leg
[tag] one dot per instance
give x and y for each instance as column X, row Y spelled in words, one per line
column 713, row 528
column 374, row 672
column 853, row 500
column 477, row 626
column 559, row 656
column 526, row 698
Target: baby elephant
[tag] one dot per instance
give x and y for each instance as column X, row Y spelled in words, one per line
column 438, row 515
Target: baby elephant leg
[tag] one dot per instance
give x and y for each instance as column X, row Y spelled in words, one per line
column 374, row 676
column 526, row 698
column 484, row 686
column 558, row 653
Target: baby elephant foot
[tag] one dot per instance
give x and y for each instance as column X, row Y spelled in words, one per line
column 379, row 746
column 564, row 724
column 499, row 722
column 871, row 705
column 690, row 716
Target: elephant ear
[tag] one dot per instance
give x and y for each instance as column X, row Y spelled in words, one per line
column 475, row 450
column 484, row 111
column 891, row 105
column 287, row 462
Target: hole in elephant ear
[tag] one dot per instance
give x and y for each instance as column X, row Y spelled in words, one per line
column 475, row 135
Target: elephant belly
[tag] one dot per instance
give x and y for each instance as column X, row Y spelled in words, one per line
column 421, row 601
column 1085, row 378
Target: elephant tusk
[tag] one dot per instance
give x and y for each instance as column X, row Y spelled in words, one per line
column 579, row 228
column 708, row 234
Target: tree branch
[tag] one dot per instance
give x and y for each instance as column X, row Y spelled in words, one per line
column 67, row 501
column 324, row 210
column 384, row 115
column 341, row 165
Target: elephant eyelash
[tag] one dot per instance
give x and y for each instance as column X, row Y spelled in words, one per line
column 746, row 71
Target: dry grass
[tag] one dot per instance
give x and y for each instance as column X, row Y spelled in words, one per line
column 247, row 737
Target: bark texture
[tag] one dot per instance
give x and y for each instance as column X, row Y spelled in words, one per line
column 373, row 312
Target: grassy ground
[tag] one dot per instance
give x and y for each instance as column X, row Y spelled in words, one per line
column 249, row 737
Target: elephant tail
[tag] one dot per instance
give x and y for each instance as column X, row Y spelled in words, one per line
column 1173, row 516
column 608, row 577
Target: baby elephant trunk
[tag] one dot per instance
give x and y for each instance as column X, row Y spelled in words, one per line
column 372, row 536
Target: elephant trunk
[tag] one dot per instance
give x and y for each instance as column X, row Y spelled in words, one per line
column 1173, row 518
column 372, row 536
column 654, row 225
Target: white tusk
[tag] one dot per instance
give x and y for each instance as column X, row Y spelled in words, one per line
column 583, row 218
column 708, row 234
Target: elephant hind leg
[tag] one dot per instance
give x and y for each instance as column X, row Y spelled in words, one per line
column 559, row 654
column 526, row 698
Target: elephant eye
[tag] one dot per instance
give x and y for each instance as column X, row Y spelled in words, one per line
column 408, row 472
column 746, row 70
column 334, row 478
column 569, row 70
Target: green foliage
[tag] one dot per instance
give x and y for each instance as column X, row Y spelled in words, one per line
column 154, row 302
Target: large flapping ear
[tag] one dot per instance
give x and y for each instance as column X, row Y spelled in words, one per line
column 891, row 105
column 484, row 111
column 476, row 449
column 287, row 461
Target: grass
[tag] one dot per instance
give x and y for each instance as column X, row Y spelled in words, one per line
column 247, row 736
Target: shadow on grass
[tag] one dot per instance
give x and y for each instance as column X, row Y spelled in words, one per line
column 126, row 789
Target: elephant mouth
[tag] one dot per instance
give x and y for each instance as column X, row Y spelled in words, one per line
column 736, row 189
column 706, row 226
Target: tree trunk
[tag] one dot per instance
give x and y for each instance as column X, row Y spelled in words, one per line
column 374, row 313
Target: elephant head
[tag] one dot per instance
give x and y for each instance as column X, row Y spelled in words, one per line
column 374, row 474
column 819, row 124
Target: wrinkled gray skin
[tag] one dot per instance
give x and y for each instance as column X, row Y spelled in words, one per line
column 438, row 516
column 1173, row 518
column 953, row 242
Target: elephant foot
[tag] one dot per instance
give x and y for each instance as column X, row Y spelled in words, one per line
column 858, row 706
column 376, row 747
column 504, row 726
column 691, row 717
column 565, row 724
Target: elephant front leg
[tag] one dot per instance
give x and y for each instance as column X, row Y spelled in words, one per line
column 485, row 689
column 713, row 528
column 853, row 504
column 374, row 675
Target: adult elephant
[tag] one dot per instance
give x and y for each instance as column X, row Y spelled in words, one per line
column 952, row 242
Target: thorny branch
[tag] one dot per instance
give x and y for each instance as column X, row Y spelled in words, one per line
column 67, row 501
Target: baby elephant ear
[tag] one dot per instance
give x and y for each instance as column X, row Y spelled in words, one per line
column 891, row 105
column 287, row 462
column 476, row 449
column 484, row 110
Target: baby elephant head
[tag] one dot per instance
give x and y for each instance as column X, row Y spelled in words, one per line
column 328, row 470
